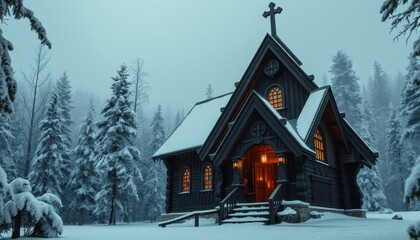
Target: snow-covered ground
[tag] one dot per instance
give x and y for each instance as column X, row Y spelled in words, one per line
column 330, row 226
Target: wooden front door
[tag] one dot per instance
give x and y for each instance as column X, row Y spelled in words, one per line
column 265, row 175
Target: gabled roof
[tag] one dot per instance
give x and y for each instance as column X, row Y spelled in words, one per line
column 305, row 121
column 195, row 128
column 313, row 111
column 367, row 153
column 269, row 44
column 279, row 124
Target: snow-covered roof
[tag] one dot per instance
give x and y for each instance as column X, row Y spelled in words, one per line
column 196, row 126
column 309, row 112
column 288, row 126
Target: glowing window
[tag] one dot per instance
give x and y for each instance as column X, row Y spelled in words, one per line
column 208, row 177
column 186, row 180
column 275, row 97
column 319, row 145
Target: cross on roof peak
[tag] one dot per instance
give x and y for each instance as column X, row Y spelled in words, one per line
column 272, row 13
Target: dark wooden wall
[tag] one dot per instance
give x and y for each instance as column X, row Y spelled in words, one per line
column 197, row 198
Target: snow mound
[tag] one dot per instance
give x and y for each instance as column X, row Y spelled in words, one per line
column 287, row 211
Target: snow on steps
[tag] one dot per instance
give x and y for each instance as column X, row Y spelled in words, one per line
column 249, row 213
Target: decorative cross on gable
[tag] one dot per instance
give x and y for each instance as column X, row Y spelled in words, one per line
column 272, row 13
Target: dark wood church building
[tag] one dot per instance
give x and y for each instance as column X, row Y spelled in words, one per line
column 277, row 137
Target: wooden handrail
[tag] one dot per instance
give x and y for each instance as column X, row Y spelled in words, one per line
column 274, row 202
column 228, row 203
column 194, row 214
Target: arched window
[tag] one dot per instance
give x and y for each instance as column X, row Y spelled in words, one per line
column 186, row 180
column 208, row 177
column 319, row 145
column 275, row 97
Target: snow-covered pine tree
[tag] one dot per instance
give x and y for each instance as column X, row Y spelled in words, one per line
column 410, row 105
column 156, row 176
column 84, row 180
column 178, row 118
column 396, row 165
column 367, row 124
column 39, row 213
column 374, row 199
column 46, row 174
column 117, row 155
column 6, row 155
column 346, row 88
column 412, row 194
column 209, row 92
column 63, row 90
column 380, row 98
column 8, row 88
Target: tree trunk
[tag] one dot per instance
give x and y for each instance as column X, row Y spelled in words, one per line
column 81, row 218
column 112, row 215
column 16, row 225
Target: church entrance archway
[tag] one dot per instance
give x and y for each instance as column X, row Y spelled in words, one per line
column 260, row 172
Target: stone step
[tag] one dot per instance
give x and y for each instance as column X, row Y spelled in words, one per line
column 251, row 209
column 249, row 214
column 256, row 204
column 247, row 220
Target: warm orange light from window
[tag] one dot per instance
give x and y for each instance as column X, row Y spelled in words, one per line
column 263, row 158
column 282, row 159
column 319, row 145
column 208, row 177
column 275, row 97
column 186, row 176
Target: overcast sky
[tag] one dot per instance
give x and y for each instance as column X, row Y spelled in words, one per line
column 187, row 45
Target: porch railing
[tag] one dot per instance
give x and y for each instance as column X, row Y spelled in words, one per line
column 274, row 202
column 229, row 202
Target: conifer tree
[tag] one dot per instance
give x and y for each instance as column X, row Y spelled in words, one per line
column 209, row 92
column 83, row 182
column 8, row 88
column 396, row 164
column 412, row 194
column 410, row 104
column 63, row 90
column 346, row 88
column 6, row 155
column 155, row 178
column 367, row 125
column 46, row 174
column 374, row 199
column 117, row 155
column 380, row 105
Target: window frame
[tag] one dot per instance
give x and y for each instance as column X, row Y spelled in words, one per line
column 267, row 95
column 182, row 179
column 203, row 177
column 323, row 141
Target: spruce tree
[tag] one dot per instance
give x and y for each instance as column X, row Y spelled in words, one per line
column 367, row 125
column 46, row 174
column 374, row 199
column 7, row 160
column 14, row 9
column 84, row 180
column 63, row 90
column 346, row 87
column 117, row 155
column 410, row 105
column 412, row 194
column 380, row 104
column 396, row 165
column 209, row 92
column 156, row 177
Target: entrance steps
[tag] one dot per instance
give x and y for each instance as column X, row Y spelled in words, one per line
column 249, row 213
